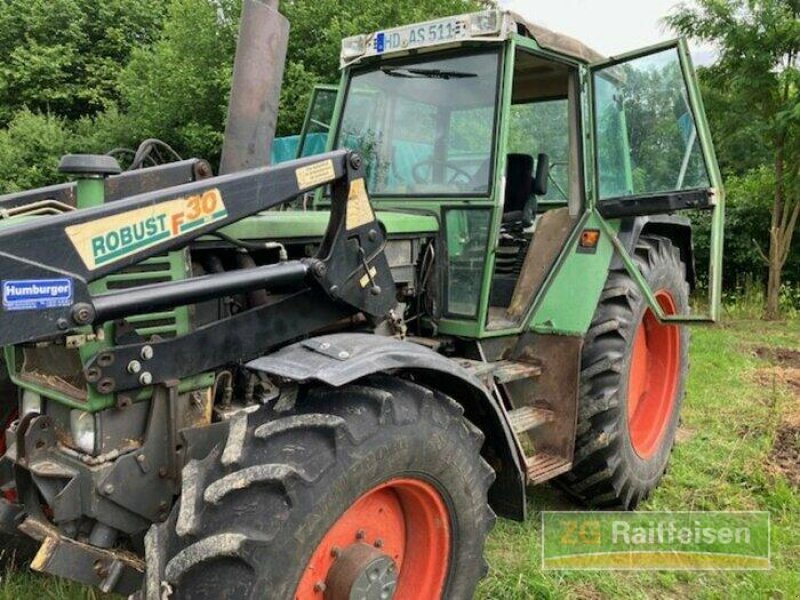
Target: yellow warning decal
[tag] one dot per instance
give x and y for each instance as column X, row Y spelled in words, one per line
column 313, row 175
column 359, row 211
column 106, row 241
column 364, row 281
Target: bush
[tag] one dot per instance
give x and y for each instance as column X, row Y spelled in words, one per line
column 30, row 149
column 747, row 223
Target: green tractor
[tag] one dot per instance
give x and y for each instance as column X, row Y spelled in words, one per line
column 322, row 379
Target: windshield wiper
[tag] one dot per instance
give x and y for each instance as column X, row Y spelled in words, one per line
column 415, row 73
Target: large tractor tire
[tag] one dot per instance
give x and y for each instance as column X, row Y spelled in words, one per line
column 633, row 379
column 373, row 490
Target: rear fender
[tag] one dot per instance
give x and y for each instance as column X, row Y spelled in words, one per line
column 676, row 228
column 343, row 358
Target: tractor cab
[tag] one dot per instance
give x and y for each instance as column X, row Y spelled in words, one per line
column 531, row 149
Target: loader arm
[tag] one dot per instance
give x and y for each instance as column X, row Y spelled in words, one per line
column 48, row 263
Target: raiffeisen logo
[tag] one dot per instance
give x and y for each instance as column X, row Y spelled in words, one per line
column 108, row 240
column 656, row 540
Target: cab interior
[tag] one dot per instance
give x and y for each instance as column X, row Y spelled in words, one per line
column 543, row 193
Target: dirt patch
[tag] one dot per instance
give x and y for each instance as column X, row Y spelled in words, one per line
column 785, row 456
column 785, row 357
column 788, row 377
column 586, row 591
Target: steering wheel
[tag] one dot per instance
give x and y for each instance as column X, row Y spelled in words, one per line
column 457, row 171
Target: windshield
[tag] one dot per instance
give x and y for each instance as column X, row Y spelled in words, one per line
column 426, row 127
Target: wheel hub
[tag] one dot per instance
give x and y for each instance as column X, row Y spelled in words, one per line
column 362, row 572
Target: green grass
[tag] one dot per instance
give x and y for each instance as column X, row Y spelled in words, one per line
column 722, row 463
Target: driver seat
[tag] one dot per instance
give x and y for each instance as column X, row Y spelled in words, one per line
column 520, row 202
column 519, row 211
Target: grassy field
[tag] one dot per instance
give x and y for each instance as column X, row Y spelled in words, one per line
column 739, row 449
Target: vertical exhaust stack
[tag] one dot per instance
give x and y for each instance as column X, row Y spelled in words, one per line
column 256, row 87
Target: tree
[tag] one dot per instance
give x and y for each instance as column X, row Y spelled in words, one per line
column 62, row 56
column 177, row 89
column 759, row 66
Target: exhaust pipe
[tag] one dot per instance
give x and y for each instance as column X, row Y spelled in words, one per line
column 256, row 87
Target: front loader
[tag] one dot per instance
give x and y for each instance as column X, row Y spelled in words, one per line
column 322, row 379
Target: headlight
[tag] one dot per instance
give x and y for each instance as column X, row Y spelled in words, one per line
column 31, row 403
column 484, row 23
column 84, row 430
column 353, row 47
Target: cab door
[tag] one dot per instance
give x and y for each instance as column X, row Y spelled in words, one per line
column 317, row 124
column 653, row 153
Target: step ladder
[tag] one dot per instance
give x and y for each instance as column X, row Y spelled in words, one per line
column 529, row 422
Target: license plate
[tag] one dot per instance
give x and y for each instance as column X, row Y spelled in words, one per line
column 415, row 36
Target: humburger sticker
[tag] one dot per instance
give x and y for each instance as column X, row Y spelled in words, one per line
column 109, row 240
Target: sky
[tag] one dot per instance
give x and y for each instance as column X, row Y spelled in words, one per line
column 609, row 26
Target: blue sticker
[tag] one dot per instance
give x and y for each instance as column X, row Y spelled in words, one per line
column 36, row 294
column 380, row 42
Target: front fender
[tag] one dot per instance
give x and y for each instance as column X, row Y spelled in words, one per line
column 343, row 358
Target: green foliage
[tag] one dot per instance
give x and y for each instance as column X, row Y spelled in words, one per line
column 747, row 222
column 30, row 149
column 63, row 56
column 177, row 89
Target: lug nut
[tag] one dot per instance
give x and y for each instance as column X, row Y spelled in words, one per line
column 320, row 586
column 145, row 378
column 361, row 534
column 147, row 352
column 134, row 367
column 378, row 543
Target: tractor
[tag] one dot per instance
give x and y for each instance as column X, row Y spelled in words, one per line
column 324, row 378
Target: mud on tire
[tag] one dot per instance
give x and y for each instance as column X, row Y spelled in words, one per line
column 253, row 512
column 608, row 472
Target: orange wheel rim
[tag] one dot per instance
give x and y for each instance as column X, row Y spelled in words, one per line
column 653, row 378
column 394, row 541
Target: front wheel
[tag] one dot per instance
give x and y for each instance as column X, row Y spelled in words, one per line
column 373, row 490
column 633, row 379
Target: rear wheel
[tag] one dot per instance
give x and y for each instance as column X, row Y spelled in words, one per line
column 374, row 490
column 633, row 379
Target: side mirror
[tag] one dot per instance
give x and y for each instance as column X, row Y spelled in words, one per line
column 542, row 178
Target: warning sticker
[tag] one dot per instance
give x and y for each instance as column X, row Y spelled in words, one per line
column 316, row 174
column 359, row 211
column 36, row 294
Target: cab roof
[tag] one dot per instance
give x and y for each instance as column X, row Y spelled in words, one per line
column 486, row 26
column 557, row 42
